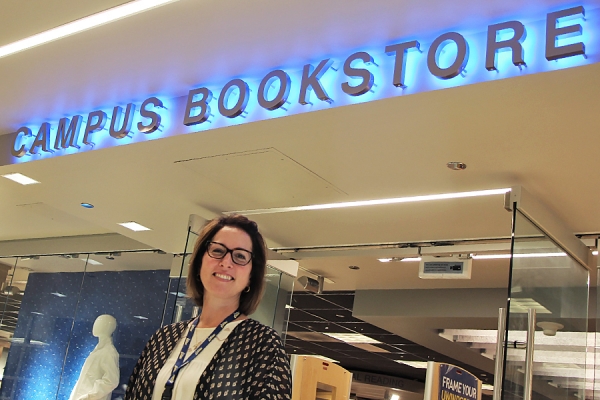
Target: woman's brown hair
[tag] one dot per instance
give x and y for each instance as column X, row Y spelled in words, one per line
column 248, row 300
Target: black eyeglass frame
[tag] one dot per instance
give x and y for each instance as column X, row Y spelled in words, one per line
column 227, row 251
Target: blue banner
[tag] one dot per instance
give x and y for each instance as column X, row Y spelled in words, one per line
column 457, row 384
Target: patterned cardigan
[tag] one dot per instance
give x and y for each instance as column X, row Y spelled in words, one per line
column 251, row 364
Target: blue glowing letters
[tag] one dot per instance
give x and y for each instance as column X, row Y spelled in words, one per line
column 318, row 83
column 68, row 130
column 354, row 67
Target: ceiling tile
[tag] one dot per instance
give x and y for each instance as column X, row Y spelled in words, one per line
column 345, row 300
column 364, row 328
column 340, row 315
column 312, row 302
column 324, row 327
column 297, row 315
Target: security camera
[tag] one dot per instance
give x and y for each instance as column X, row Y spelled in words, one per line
column 312, row 285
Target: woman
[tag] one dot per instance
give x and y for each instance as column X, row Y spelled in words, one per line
column 222, row 353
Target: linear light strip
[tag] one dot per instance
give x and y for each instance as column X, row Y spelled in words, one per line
column 89, row 22
column 525, row 255
column 485, row 257
column 397, row 200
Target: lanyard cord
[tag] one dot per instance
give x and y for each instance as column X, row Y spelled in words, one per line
column 182, row 361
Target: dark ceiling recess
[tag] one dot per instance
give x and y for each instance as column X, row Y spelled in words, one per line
column 331, row 312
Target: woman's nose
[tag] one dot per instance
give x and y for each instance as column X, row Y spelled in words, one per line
column 227, row 262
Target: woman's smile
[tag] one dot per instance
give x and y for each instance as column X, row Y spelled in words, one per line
column 223, row 276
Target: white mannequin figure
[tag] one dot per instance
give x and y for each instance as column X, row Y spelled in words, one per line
column 100, row 373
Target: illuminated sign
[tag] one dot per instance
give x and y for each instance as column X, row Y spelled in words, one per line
column 505, row 49
column 69, row 132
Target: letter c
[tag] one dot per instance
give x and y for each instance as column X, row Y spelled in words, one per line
column 20, row 134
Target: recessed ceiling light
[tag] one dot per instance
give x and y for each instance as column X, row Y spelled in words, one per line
column 487, row 386
column 396, row 200
column 89, row 22
column 351, row 337
column 134, row 226
column 87, row 205
column 414, row 364
column 20, row 178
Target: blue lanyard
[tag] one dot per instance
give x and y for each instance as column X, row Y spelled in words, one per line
column 182, row 361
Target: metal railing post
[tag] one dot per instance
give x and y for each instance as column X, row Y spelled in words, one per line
column 527, row 388
column 499, row 367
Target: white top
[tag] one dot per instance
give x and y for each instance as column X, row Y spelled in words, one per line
column 99, row 375
column 188, row 377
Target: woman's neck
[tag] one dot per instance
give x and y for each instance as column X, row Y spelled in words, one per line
column 214, row 312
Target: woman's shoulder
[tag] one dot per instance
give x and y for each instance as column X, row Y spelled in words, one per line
column 170, row 331
column 253, row 328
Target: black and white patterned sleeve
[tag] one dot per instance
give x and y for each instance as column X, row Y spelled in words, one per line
column 139, row 366
column 272, row 373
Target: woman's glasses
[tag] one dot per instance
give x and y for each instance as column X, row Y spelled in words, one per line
column 219, row 251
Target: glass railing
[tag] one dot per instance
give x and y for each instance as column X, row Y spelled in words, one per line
column 549, row 295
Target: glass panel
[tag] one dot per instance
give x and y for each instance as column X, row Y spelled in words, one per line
column 120, row 306
column 179, row 307
column 49, row 289
column 545, row 278
column 284, row 305
column 273, row 309
column 265, row 313
column 9, row 309
column 62, row 314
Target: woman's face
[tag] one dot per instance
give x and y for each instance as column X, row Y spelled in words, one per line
column 222, row 278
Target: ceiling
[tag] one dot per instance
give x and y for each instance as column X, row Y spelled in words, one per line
column 536, row 130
